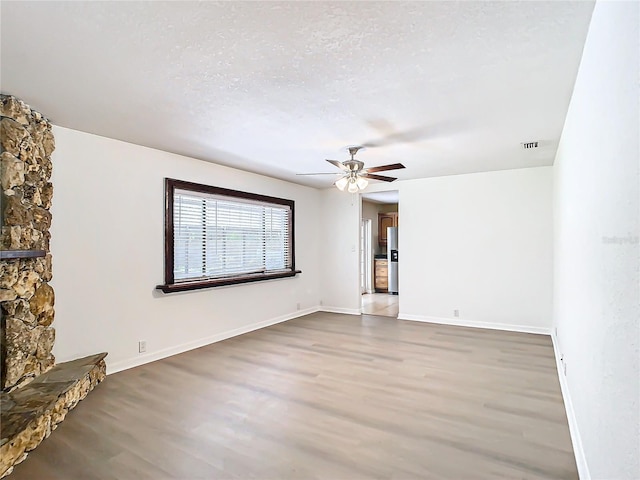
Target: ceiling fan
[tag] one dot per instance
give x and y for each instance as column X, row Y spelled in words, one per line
column 355, row 176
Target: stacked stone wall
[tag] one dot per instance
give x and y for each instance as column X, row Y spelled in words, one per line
column 26, row 298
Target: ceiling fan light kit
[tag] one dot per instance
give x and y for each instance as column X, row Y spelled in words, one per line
column 355, row 175
column 352, row 182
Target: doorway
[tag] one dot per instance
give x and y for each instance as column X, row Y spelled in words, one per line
column 378, row 254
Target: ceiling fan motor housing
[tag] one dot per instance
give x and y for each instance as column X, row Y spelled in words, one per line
column 354, row 165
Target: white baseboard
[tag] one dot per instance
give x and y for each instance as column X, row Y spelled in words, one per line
column 346, row 311
column 578, row 450
column 459, row 322
column 201, row 342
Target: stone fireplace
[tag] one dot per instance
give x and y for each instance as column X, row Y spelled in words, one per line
column 36, row 395
column 26, row 296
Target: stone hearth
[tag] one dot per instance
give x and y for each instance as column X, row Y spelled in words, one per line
column 31, row 413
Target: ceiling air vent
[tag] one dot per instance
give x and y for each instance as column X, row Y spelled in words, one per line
column 529, row 145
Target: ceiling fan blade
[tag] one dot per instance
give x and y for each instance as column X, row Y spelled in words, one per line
column 378, row 177
column 338, row 164
column 323, row 173
column 382, row 168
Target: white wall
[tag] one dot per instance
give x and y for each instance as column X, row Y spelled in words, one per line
column 597, row 285
column 478, row 243
column 107, row 244
column 339, row 258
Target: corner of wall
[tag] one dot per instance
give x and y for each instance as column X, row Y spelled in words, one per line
column 576, row 440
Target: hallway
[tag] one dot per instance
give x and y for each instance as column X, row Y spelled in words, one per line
column 380, row 304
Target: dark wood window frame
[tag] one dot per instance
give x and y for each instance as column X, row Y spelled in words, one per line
column 170, row 285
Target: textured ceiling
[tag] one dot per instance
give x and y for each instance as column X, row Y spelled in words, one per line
column 277, row 87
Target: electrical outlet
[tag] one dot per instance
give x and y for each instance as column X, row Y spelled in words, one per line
column 456, row 313
column 321, row 303
column 555, row 330
column 564, row 368
column 298, row 305
column 142, row 346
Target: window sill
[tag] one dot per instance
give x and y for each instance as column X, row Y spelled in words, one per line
column 221, row 282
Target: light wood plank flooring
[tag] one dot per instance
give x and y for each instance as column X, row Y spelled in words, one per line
column 380, row 304
column 325, row 396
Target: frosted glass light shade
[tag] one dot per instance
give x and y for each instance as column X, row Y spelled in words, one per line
column 352, row 184
column 341, row 183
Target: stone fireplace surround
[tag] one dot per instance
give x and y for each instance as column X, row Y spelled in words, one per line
column 36, row 395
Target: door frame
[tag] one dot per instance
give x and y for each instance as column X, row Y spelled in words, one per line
column 366, row 256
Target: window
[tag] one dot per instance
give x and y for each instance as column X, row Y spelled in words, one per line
column 215, row 236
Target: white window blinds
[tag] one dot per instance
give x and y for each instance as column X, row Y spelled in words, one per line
column 216, row 236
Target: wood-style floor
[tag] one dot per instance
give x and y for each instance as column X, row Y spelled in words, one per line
column 380, row 304
column 325, row 396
